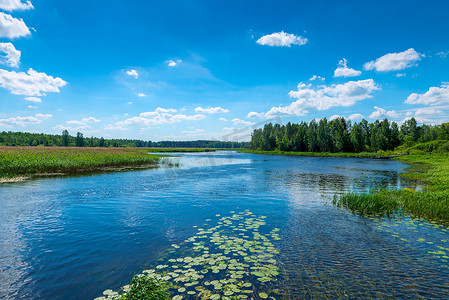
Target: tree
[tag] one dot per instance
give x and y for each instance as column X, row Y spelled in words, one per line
column 65, row 138
column 79, row 141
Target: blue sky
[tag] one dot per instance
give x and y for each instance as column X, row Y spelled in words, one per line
column 185, row 70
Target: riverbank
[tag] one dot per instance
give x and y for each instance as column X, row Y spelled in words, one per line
column 371, row 155
column 22, row 163
column 431, row 203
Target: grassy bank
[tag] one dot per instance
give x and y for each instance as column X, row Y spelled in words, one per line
column 385, row 155
column 430, row 203
column 183, row 150
column 16, row 162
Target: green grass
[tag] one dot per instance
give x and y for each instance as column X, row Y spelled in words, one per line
column 431, row 203
column 322, row 154
column 145, row 288
column 29, row 161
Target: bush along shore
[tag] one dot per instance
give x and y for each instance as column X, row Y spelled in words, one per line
column 431, row 203
column 17, row 163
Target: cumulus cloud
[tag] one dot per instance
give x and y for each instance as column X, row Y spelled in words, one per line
column 33, row 99
column 11, row 27
column 394, row 61
column 282, row 39
column 211, row 110
column 316, row 77
column 434, row 96
column 33, row 107
column 381, row 113
column 158, row 117
column 68, row 128
column 223, row 119
column 23, row 121
column 31, row 83
column 132, row 73
column 10, row 5
column 84, row 121
column 355, row 117
column 324, row 97
column 344, row 71
column 238, row 122
column 172, row 63
column 9, row 55
column 141, row 95
column 255, row 115
column 427, row 112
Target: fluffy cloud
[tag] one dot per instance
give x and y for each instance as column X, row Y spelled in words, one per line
column 172, row 63
column 238, row 122
column 84, row 121
column 316, row 77
column 112, row 127
column 132, row 73
column 158, row 117
column 141, row 95
column 211, row 110
column 10, row 5
column 344, row 71
column 324, row 97
column 355, row 117
column 11, row 27
column 33, row 99
column 9, row 55
column 427, row 112
column 282, row 39
column 223, row 119
column 23, row 121
column 381, row 113
column 394, row 61
column 31, row 83
column 434, row 96
column 255, row 115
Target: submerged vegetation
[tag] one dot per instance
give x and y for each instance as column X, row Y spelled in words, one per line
column 31, row 161
column 234, row 259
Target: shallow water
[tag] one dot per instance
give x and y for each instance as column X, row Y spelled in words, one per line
column 74, row 237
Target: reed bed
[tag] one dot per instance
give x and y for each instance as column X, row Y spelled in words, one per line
column 30, row 161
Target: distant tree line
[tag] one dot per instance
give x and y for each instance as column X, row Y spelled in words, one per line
column 66, row 140
column 340, row 135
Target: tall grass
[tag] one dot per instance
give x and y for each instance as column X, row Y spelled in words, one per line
column 431, row 203
column 25, row 161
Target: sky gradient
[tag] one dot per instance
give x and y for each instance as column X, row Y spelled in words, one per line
column 187, row 70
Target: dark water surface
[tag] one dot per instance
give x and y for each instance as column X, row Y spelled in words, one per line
column 74, row 237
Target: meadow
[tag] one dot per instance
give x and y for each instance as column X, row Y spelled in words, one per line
column 37, row 161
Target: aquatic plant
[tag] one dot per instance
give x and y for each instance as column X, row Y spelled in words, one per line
column 26, row 161
column 231, row 260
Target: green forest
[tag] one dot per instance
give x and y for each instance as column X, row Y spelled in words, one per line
column 340, row 135
column 66, row 140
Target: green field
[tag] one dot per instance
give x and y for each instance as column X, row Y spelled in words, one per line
column 37, row 161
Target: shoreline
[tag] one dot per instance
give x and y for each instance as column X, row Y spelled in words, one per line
column 325, row 154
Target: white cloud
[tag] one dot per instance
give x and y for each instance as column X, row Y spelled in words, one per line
column 394, row 61
column 316, row 77
column 33, row 99
column 443, row 54
column 9, row 55
column 223, row 119
column 132, row 73
column 344, row 71
column 238, row 122
column 172, row 63
column 381, row 113
column 434, row 96
column 23, row 121
column 335, row 117
column 141, row 95
column 324, row 97
column 427, row 112
column 399, row 75
column 10, row 5
column 255, row 115
column 75, row 122
column 68, row 128
column 193, row 132
column 31, row 83
column 282, row 39
column 33, row 107
column 11, row 27
column 129, row 103
column 211, row 110
column 90, row 120
column 158, row 117
column 355, row 117
column 112, row 127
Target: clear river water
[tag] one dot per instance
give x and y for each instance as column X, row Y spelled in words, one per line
column 220, row 224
